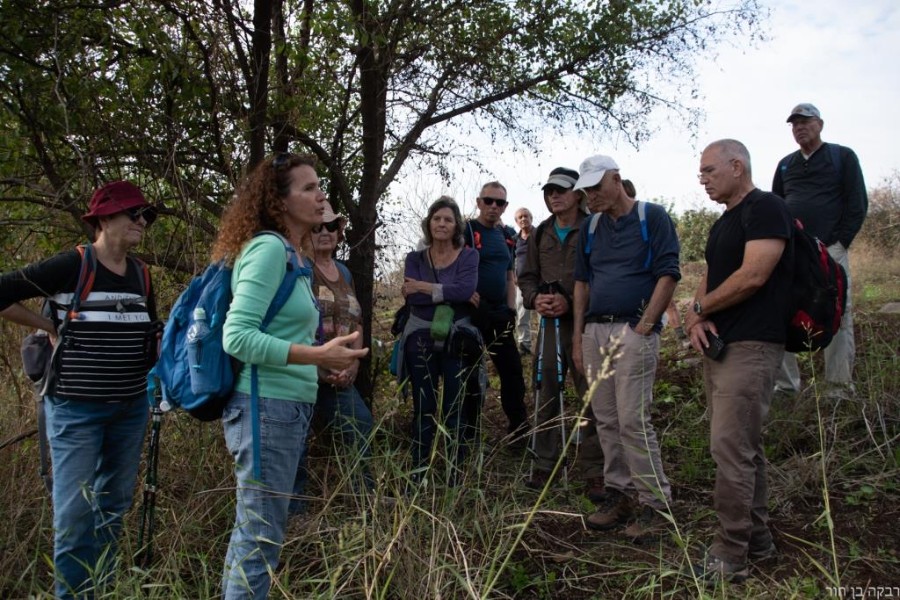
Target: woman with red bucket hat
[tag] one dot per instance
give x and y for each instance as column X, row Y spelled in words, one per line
column 100, row 316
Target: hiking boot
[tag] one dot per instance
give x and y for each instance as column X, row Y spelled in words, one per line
column 594, row 490
column 518, row 436
column 761, row 554
column 648, row 526
column 538, row 479
column 615, row 510
column 716, row 570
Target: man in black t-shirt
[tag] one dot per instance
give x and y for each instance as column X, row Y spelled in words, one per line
column 740, row 301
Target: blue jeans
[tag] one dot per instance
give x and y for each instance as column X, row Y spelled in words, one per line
column 343, row 408
column 427, row 369
column 96, row 450
column 262, row 506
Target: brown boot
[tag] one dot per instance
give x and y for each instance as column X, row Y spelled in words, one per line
column 649, row 525
column 594, row 490
column 538, row 479
column 615, row 510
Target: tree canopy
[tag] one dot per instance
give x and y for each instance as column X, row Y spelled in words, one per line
column 181, row 96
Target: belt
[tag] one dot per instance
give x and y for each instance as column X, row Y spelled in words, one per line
column 607, row 319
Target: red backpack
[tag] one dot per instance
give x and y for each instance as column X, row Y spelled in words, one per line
column 818, row 294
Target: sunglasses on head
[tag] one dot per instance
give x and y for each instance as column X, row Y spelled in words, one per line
column 281, row 160
column 488, row 201
column 331, row 226
column 148, row 213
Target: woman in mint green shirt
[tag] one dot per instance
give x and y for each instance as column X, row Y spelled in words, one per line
column 281, row 195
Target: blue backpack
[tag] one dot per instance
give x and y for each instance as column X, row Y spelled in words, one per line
column 200, row 380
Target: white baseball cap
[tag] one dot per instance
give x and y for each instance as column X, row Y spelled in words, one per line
column 592, row 170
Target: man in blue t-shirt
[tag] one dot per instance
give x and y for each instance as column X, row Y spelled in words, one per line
column 626, row 269
column 495, row 308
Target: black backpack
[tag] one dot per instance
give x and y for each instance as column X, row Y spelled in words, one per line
column 818, row 294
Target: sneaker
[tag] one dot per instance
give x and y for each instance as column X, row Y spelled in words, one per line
column 759, row 555
column 538, row 479
column 648, row 526
column 836, row 392
column 615, row 510
column 716, row 570
column 594, row 490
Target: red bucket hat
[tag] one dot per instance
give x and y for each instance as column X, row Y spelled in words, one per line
column 116, row 197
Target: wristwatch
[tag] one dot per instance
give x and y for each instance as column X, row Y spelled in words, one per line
column 698, row 310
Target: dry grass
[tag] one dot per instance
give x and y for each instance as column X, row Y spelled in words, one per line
column 473, row 541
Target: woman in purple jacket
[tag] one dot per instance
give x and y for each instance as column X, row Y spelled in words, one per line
column 439, row 342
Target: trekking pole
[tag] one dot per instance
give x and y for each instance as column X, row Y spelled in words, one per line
column 561, row 391
column 144, row 555
column 538, row 378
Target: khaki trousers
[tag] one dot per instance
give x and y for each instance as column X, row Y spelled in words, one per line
column 739, row 389
column 621, row 368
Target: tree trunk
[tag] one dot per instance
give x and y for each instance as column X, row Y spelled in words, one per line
column 259, row 78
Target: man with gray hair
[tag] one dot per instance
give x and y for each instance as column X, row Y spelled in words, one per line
column 626, row 270
column 524, row 220
column 739, row 321
column 823, row 186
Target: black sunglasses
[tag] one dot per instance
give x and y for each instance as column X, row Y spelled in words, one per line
column 490, row 201
column 331, row 226
column 148, row 213
column 551, row 189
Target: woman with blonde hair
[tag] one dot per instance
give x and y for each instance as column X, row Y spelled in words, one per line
column 279, row 195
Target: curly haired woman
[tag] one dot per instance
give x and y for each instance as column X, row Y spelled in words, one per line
column 282, row 195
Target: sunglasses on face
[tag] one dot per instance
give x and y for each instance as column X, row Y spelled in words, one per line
column 148, row 213
column 554, row 189
column 488, row 201
column 331, row 226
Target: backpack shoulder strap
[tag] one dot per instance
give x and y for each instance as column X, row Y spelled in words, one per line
column 645, row 231
column 86, row 275
column 345, row 271
column 836, row 151
column 591, row 230
column 145, row 275
column 469, row 234
column 293, row 270
column 539, row 233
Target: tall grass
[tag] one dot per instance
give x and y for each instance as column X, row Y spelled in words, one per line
column 834, row 472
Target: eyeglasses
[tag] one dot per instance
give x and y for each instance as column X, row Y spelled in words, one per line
column 148, row 213
column 488, row 201
column 331, row 226
column 706, row 172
